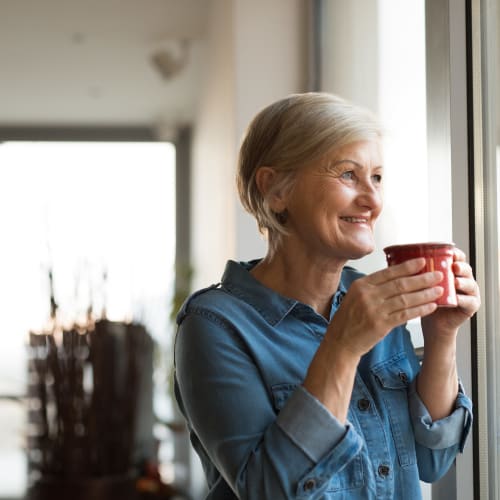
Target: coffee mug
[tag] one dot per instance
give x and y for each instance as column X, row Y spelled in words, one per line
column 438, row 257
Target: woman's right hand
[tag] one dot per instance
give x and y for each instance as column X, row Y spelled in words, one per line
column 377, row 303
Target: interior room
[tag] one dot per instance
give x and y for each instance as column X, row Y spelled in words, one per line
column 120, row 126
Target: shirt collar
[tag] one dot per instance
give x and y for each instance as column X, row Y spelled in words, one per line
column 271, row 305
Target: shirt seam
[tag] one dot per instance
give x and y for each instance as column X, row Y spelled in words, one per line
column 211, row 316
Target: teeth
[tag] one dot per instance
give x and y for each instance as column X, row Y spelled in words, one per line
column 353, row 219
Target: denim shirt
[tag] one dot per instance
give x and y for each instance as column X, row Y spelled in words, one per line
column 242, row 352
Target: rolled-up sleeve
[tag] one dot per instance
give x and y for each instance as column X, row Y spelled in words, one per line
column 320, row 436
column 306, row 421
column 438, row 441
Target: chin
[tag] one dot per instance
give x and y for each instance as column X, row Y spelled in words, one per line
column 362, row 251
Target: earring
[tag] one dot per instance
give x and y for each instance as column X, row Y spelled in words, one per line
column 282, row 217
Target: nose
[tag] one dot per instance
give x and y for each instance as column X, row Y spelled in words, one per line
column 370, row 195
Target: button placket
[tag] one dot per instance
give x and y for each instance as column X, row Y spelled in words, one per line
column 366, row 412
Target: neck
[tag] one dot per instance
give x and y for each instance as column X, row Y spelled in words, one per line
column 306, row 278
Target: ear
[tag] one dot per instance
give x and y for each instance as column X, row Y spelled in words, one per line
column 266, row 178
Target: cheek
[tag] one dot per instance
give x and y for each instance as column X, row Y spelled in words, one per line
column 377, row 209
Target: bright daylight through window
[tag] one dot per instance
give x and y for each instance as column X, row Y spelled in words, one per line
column 100, row 218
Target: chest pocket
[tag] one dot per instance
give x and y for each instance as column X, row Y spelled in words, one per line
column 351, row 476
column 394, row 376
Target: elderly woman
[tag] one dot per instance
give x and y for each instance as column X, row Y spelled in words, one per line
column 296, row 374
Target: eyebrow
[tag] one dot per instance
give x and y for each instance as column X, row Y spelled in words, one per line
column 355, row 163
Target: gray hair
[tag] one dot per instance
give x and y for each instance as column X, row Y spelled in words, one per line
column 288, row 135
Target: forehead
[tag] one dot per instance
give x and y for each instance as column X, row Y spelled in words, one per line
column 364, row 152
column 360, row 154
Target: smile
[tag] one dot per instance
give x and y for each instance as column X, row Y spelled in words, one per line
column 354, row 219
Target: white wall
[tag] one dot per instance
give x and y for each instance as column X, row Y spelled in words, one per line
column 214, row 138
column 270, row 42
column 350, row 65
column 256, row 55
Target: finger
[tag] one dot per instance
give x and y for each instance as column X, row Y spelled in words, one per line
column 468, row 304
column 407, row 268
column 459, row 255
column 411, row 300
column 466, row 286
column 408, row 284
column 403, row 315
column 462, row 269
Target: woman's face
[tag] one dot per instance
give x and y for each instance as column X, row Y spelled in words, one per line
column 335, row 202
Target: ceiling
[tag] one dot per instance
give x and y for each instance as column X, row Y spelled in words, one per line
column 90, row 63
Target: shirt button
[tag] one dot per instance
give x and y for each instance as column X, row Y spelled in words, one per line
column 364, row 404
column 403, row 377
column 383, row 470
column 309, row 484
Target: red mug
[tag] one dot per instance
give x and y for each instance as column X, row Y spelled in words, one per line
column 438, row 257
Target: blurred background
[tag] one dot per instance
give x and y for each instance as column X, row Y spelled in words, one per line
column 97, row 103
column 120, row 122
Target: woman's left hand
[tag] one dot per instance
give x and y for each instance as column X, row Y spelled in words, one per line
column 446, row 320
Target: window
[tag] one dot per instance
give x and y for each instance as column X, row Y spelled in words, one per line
column 101, row 218
column 485, row 50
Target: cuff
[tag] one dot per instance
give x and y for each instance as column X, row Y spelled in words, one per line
column 310, row 425
column 443, row 433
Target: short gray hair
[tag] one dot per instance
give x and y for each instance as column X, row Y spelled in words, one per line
column 290, row 134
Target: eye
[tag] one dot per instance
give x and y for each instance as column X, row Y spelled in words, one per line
column 348, row 175
column 377, row 178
